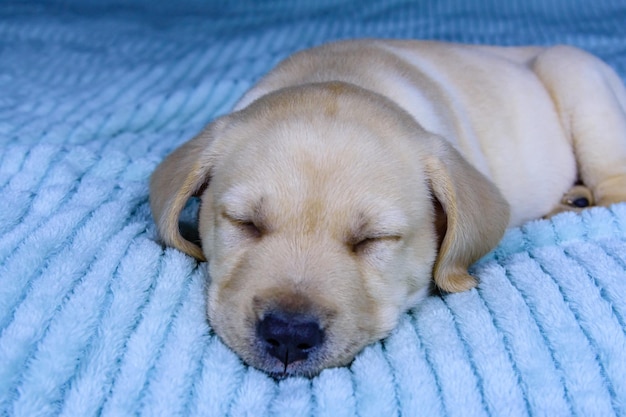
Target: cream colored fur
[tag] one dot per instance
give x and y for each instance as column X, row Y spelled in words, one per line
column 355, row 174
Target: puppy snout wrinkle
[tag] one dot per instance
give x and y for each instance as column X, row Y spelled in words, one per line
column 290, row 337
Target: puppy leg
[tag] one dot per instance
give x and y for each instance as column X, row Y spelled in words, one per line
column 591, row 101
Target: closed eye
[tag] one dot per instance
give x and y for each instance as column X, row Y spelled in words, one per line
column 249, row 227
column 364, row 244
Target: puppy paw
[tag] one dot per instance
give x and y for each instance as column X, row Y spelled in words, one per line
column 611, row 191
column 576, row 199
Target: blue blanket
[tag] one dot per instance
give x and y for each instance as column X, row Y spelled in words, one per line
column 96, row 318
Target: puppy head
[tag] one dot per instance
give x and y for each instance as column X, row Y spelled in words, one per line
column 318, row 223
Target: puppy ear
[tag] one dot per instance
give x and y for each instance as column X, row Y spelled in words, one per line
column 183, row 174
column 476, row 215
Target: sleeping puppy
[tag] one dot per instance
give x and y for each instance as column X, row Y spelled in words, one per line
column 356, row 174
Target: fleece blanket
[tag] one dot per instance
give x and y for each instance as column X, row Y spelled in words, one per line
column 97, row 318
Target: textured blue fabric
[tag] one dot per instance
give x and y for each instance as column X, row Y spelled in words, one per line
column 96, row 318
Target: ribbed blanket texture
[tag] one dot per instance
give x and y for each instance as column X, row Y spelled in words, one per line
column 98, row 319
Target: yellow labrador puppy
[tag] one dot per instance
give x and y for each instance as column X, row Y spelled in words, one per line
column 355, row 174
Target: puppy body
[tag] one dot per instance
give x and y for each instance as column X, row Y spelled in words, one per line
column 354, row 173
column 511, row 112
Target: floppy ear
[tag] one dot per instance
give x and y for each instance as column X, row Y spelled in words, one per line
column 476, row 215
column 183, row 174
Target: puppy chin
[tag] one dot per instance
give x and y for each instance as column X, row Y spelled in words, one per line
column 309, row 367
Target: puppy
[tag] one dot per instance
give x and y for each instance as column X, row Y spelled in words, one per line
column 356, row 174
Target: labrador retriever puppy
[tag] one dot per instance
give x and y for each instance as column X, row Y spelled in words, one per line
column 357, row 173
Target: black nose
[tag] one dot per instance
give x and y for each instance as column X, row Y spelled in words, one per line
column 289, row 337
